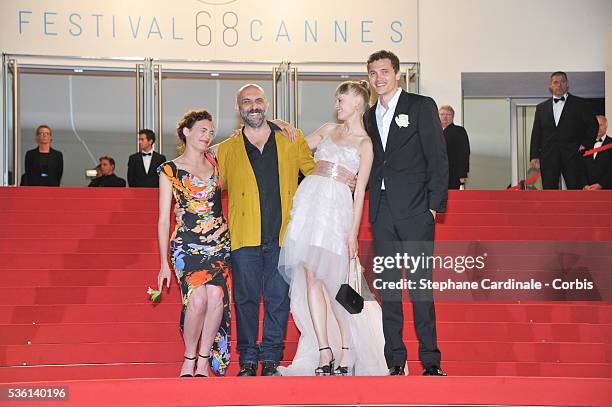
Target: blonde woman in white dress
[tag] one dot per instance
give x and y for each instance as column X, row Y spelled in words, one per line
column 320, row 240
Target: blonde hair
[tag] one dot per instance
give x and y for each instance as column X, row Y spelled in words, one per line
column 359, row 88
column 447, row 108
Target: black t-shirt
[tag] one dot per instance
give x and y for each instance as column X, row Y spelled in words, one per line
column 265, row 167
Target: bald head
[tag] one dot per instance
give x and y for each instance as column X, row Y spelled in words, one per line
column 248, row 86
column 252, row 105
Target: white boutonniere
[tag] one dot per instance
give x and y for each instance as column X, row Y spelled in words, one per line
column 402, row 120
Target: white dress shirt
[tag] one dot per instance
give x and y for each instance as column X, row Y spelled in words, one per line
column 383, row 120
column 558, row 108
column 146, row 160
column 599, row 144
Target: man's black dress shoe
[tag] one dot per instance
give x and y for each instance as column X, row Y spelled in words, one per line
column 396, row 371
column 434, row 371
column 269, row 369
column 248, row 369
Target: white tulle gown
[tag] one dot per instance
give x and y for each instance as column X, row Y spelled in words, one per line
column 316, row 238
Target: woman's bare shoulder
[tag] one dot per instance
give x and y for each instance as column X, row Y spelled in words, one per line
column 330, row 128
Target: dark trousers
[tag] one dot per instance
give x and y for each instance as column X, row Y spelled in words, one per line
column 255, row 271
column 454, row 183
column 413, row 236
column 559, row 161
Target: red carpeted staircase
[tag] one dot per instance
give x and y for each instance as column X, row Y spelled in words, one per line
column 75, row 264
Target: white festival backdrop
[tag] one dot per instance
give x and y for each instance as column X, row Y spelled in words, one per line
column 340, row 31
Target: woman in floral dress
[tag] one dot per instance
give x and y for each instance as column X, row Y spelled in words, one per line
column 199, row 246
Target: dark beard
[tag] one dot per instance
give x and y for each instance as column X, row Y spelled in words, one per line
column 250, row 122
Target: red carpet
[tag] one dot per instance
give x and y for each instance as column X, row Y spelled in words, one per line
column 299, row 391
column 75, row 264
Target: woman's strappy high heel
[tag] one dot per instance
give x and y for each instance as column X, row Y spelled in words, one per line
column 344, row 370
column 203, row 357
column 187, row 374
column 327, row 370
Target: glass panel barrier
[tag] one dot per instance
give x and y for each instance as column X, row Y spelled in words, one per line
column 487, row 122
column 91, row 114
column 217, row 94
column 524, row 124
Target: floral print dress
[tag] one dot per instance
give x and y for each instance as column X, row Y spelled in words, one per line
column 200, row 246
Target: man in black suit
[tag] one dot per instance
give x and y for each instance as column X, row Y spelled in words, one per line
column 598, row 166
column 563, row 126
column 142, row 166
column 408, row 185
column 457, row 148
column 108, row 177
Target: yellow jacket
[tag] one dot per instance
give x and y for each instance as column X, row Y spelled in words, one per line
column 238, row 178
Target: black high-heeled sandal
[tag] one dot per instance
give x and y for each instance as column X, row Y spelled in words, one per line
column 203, row 357
column 343, row 370
column 187, row 374
column 327, row 370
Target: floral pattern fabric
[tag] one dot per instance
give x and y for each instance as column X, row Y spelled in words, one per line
column 200, row 247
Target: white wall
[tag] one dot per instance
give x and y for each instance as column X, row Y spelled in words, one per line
column 507, row 36
column 228, row 30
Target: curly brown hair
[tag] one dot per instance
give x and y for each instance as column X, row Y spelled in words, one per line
column 189, row 119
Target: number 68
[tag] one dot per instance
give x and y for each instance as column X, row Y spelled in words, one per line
column 204, row 32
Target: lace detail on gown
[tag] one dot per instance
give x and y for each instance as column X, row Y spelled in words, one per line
column 316, row 239
column 345, row 155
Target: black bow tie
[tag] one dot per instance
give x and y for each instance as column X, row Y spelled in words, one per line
column 146, row 154
column 599, row 140
column 561, row 99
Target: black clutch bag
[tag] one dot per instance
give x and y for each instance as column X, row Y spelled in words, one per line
column 347, row 296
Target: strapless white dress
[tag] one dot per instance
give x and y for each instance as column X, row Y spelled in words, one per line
column 316, row 239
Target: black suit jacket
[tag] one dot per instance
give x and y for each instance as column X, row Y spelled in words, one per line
column 577, row 126
column 414, row 163
column 37, row 164
column 599, row 170
column 458, row 150
column 108, row 181
column 136, row 175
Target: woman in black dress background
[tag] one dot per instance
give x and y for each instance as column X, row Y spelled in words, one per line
column 43, row 165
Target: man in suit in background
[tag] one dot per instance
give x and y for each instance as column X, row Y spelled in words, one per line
column 142, row 166
column 563, row 126
column 457, row 148
column 108, row 177
column 408, row 185
column 598, row 166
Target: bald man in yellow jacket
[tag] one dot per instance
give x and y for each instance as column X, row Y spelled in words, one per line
column 259, row 169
